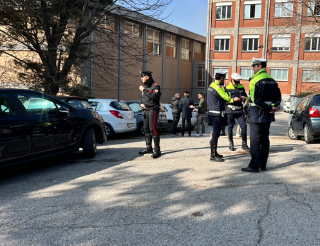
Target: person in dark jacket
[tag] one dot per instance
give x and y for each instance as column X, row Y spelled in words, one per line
column 235, row 111
column 265, row 97
column 150, row 103
column 184, row 107
column 201, row 116
column 175, row 113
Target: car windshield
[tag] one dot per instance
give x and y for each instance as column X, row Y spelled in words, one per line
column 96, row 105
column 120, row 106
column 135, row 107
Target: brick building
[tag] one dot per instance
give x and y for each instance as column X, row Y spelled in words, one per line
column 281, row 31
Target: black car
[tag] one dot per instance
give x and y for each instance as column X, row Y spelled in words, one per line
column 76, row 102
column 35, row 126
column 306, row 119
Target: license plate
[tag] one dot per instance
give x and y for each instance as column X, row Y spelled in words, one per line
column 130, row 125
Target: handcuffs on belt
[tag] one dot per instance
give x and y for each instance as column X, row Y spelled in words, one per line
column 234, row 107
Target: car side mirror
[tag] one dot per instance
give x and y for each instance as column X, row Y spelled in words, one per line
column 63, row 111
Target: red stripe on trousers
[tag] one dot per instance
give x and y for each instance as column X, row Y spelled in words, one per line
column 155, row 124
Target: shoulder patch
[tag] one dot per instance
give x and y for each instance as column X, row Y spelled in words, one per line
column 155, row 84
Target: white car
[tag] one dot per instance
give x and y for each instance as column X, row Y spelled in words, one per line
column 117, row 116
column 168, row 110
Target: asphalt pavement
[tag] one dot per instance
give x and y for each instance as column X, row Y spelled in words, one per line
column 122, row 198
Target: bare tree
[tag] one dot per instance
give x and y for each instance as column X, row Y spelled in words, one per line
column 56, row 36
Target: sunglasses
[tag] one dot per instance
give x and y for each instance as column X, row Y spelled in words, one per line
column 143, row 75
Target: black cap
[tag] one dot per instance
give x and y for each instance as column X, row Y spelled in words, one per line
column 145, row 72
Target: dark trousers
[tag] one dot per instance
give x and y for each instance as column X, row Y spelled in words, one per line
column 217, row 123
column 259, row 145
column 150, row 118
column 176, row 118
column 183, row 124
column 241, row 121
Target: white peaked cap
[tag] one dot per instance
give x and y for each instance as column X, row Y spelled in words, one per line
column 236, row 76
column 257, row 61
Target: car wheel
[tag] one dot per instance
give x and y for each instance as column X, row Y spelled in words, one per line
column 141, row 128
column 109, row 130
column 308, row 138
column 291, row 134
column 170, row 127
column 89, row 143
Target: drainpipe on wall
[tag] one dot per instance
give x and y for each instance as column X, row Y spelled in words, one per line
column 208, row 47
column 267, row 20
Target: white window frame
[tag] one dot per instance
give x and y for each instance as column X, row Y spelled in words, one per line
column 285, row 8
column 311, row 74
column 155, row 44
column 222, row 39
column 202, row 68
column 312, row 5
column 250, row 3
column 132, row 33
column 281, row 71
column 221, row 69
column 250, row 37
column 185, row 53
column 171, row 45
column 281, row 47
column 197, row 47
column 245, row 77
column 313, row 38
column 224, row 7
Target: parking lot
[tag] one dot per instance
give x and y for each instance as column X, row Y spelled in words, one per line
column 121, row 198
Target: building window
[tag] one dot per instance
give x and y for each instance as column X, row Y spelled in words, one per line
column 312, row 43
column 110, row 23
column 153, row 42
column 283, row 8
column 217, row 69
column 201, row 76
column 310, row 76
column 223, row 11
column 246, row 73
column 314, row 8
column 250, row 42
column 221, row 42
column 185, row 49
column 281, row 42
column 252, row 9
column 198, row 47
column 279, row 74
column 171, row 44
column 132, row 29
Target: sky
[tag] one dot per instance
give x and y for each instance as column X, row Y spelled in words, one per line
column 188, row 14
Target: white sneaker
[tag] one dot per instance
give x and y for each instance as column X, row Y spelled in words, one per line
column 203, row 135
column 196, row 135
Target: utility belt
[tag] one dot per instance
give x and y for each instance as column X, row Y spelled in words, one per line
column 267, row 102
column 233, row 107
column 151, row 108
column 222, row 113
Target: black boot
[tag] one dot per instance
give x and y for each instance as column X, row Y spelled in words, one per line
column 221, row 156
column 244, row 142
column 148, row 150
column 223, row 131
column 157, row 151
column 231, row 145
column 214, row 156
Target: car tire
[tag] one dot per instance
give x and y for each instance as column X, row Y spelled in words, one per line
column 109, row 130
column 141, row 129
column 308, row 138
column 170, row 126
column 291, row 134
column 89, row 143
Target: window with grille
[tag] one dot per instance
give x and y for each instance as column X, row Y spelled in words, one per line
column 281, row 42
column 153, row 42
column 252, row 9
column 185, row 49
column 171, row 44
column 221, row 44
column 314, row 7
column 283, row 8
column 246, row 72
column 312, row 43
column 223, row 10
column 250, row 42
column 279, row 74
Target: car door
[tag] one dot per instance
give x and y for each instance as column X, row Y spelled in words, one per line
column 15, row 131
column 49, row 120
column 297, row 118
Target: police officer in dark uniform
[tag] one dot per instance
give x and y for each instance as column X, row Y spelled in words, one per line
column 150, row 103
column 235, row 111
column 216, row 99
column 265, row 97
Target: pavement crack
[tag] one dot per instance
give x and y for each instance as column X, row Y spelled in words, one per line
column 260, row 221
column 296, row 200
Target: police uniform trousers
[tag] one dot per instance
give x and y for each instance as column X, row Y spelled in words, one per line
column 217, row 123
column 241, row 120
column 259, row 145
column 150, row 118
